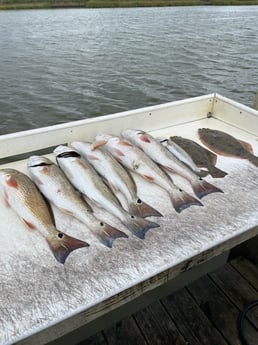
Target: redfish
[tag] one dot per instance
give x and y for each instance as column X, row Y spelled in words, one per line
column 23, row 196
column 117, row 177
column 54, row 185
column 225, row 144
column 138, row 162
column 85, row 179
column 159, row 154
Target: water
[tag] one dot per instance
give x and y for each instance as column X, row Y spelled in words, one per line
column 63, row 65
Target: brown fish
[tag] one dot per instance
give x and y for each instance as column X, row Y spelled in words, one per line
column 225, row 144
column 22, row 195
column 202, row 158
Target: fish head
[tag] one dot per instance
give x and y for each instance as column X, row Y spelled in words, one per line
column 82, row 146
column 39, row 165
column 63, row 151
column 103, row 139
column 129, row 134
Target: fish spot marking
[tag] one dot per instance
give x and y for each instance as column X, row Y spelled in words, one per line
column 11, row 182
column 29, row 224
column 145, row 138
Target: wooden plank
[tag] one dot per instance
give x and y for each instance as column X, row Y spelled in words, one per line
column 220, row 311
column 247, row 269
column 157, row 327
column 97, row 339
column 124, row 332
column 237, row 289
column 190, row 320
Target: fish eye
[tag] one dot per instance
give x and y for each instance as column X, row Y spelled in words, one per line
column 180, row 190
column 200, row 178
column 139, row 201
column 60, row 235
column 101, row 224
column 132, row 216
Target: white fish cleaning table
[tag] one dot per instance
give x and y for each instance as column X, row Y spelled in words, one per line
column 42, row 300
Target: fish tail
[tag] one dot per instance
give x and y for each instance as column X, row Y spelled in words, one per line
column 109, row 234
column 62, row 245
column 253, row 159
column 216, row 172
column 142, row 209
column 202, row 188
column 139, row 226
column 182, row 200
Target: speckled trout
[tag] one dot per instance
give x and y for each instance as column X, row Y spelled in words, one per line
column 23, row 196
column 159, row 154
column 138, row 162
column 225, row 144
column 54, row 185
column 84, row 178
column 117, row 177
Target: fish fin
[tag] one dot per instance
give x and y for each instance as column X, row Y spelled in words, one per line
column 62, row 245
column 247, row 146
column 253, row 159
column 182, row 200
column 141, row 209
column 29, row 225
column 212, row 157
column 109, row 234
column 98, row 143
column 202, row 188
column 139, row 226
column 216, row 172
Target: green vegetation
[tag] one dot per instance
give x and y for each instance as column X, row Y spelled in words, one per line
column 28, row 4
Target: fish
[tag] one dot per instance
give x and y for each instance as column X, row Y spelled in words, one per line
column 202, row 157
column 135, row 160
column 22, row 195
column 55, row 186
column 117, row 177
column 159, row 154
column 182, row 155
column 225, row 144
column 85, row 179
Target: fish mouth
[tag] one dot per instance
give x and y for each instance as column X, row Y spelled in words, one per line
column 68, row 154
column 38, row 161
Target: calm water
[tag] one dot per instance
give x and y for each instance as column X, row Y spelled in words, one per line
column 63, row 65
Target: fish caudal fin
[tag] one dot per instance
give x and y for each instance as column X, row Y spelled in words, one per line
column 202, row 188
column 139, row 226
column 141, row 209
column 109, row 234
column 182, row 200
column 216, row 172
column 62, row 245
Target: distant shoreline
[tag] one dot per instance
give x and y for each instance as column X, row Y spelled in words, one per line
column 48, row 4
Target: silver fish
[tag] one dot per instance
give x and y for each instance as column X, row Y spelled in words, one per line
column 54, row 185
column 84, row 178
column 162, row 156
column 182, row 155
column 23, row 196
column 137, row 161
column 117, row 177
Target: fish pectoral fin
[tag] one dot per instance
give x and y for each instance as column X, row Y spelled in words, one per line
column 29, row 225
column 98, row 143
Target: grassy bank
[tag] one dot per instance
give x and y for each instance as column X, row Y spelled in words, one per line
column 29, row 4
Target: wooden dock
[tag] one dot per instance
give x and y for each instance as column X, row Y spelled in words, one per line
column 203, row 313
